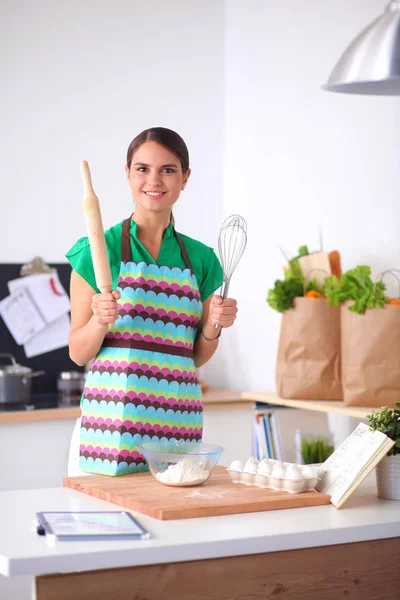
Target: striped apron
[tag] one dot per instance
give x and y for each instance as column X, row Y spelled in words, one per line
column 143, row 385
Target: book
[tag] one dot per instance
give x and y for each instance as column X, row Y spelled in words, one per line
column 267, row 441
column 297, row 441
column 267, row 434
column 261, row 437
column 277, row 435
column 256, row 451
column 341, row 474
column 274, row 444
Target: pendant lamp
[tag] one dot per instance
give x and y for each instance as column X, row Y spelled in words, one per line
column 371, row 63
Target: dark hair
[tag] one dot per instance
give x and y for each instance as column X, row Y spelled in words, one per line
column 164, row 137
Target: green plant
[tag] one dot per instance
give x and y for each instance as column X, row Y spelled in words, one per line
column 315, row 449
column 281, row 297
column 292, row 286
column 331, row 289
column 387, row 420
column 356, row 284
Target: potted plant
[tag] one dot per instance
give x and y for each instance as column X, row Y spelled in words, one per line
column 387, row 420
column 315, row 449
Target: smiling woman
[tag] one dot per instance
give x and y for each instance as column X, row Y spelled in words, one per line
column 159, row 170
column 147, row 336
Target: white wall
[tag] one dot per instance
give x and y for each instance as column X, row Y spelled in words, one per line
column 241, row 83
column 79, row 80
column 297, row 157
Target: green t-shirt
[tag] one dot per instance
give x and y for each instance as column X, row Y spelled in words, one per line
column 204, row 261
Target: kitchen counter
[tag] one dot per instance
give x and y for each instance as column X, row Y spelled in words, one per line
column 274, row 544
column 49, row 407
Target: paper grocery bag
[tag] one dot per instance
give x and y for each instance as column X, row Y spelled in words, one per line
column 308, row 362
column 371, row 356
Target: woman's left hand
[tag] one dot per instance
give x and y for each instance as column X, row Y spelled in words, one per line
column 222, row 312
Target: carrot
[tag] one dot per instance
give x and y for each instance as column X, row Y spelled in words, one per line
column 312, row 294
column 395, row 301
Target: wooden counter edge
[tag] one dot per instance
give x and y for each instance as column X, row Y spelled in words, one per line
column 45, row 414
column 217, row 398
column 326, row 406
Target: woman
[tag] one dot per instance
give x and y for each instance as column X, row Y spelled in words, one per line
column 150, row 333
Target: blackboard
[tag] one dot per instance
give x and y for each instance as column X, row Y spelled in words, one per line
column 52, row 362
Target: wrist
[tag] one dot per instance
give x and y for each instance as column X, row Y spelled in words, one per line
column 209, row 329
column 210, row 333
column 95, row 325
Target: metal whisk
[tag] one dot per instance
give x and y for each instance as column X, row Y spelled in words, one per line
column 231, row 245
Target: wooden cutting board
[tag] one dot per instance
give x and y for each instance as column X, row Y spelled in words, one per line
column 218, row 496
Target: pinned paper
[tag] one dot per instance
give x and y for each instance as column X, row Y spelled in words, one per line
column 37, row 313
column 53, row 337
column 47, row 293
column 21, row 316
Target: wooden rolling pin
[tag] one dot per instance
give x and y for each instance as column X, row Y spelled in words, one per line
column 95, row 231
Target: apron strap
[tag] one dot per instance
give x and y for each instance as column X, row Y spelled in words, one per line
column 183, row 250
column 126, row 244
column 126, row 241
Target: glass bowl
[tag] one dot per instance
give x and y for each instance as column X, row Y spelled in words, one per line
column 180, row 464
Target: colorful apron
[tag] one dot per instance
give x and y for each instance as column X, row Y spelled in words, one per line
column 143, row 385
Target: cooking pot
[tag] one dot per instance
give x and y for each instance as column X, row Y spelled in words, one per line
column 70, row 386
column 15, row 382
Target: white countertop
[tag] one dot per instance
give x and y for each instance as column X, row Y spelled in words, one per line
column 23, row 552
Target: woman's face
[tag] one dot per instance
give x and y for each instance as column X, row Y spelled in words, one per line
column 155, row 177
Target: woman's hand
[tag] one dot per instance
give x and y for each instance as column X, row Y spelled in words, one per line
column 105, row 307
column 222, row 312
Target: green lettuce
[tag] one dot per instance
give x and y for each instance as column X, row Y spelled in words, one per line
column 357, row 285
column 293, row 285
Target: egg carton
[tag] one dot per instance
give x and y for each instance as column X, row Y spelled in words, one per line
column 274, row 474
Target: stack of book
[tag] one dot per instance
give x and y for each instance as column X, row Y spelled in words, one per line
column 266, row 435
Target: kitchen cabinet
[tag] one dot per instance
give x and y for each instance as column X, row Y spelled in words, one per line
column 314, row 552
column 27, row 436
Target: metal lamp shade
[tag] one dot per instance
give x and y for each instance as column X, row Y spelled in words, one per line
column 371, row 64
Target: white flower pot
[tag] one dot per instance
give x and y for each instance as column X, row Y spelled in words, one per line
column 388, row 477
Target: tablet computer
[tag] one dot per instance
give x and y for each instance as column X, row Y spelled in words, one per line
column 90, row 525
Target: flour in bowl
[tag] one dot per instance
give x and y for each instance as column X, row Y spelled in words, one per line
column 184, row 472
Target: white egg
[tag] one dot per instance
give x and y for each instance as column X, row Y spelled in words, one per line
column 293, row 474
column 278, row 472
column 236, row 465
column 292, row 467
column 309, row 472
column 250, row 461
column 264, row 468
column 250, row 468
